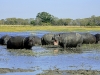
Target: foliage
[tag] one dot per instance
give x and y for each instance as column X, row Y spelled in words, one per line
column 44, row 16
column 46, row 19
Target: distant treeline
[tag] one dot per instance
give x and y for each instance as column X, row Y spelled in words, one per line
column 44, row 18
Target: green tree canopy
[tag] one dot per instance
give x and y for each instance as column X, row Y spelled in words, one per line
column 45, row 17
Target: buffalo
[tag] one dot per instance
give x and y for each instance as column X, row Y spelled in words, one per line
column 19, row 42
column 68, row 40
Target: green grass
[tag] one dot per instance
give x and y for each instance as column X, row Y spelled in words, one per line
column 22, row 52
column 18, row 28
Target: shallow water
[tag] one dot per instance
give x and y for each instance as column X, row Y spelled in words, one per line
column 45, row 58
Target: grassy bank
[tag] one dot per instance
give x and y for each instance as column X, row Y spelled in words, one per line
column 17, row 28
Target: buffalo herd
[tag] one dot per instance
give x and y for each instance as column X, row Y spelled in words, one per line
column 64, row 40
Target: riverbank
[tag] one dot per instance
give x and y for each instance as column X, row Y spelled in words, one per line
column 53, row 72
column 19, row 28
column 70, row 72
column 8, row 70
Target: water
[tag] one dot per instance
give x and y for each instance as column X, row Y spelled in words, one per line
column 43, row 58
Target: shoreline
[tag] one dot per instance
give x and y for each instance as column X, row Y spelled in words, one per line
column 8, row 70
column 52, row 72
column 70, row 72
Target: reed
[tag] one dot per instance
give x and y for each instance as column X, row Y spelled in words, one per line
column 19, row 28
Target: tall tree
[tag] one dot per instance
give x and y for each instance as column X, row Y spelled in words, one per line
column 45, row 17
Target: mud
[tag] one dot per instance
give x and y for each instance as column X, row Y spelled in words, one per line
column 70, row 72
column 7, row 70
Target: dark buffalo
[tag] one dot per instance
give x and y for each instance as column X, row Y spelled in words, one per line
column 36, row 40
column 88, row 38
column 4, row 39
column 97, row 38
column 19, row 42
column 47, row 39
column 68, row 40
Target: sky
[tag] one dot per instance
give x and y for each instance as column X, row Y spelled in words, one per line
column 74, row 9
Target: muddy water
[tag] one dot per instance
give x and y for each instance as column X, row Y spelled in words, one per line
column 46, row 58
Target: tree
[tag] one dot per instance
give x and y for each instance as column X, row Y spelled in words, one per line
column 2, row 21
column 92, row 20
column 45, row 17
column 98, row 21
column 55, row 21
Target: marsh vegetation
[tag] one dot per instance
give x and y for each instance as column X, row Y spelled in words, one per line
column 19, row 28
